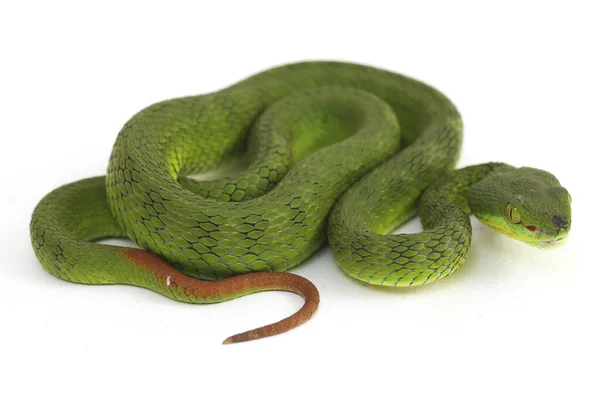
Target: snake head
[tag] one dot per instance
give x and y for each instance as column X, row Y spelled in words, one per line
column 525, row 203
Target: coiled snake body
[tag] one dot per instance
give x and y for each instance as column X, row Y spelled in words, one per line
column 328, row 151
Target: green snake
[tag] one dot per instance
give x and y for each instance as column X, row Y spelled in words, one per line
column 325, row 151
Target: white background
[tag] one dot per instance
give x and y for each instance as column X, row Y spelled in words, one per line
column 515, row 322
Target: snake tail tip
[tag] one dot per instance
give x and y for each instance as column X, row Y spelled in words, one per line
column 243, row 337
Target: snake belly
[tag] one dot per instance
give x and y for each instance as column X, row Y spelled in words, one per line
column 304, row 135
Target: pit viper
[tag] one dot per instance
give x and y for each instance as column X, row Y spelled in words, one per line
column 309, row 152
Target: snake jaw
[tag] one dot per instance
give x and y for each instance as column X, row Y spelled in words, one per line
column 547, row 239
column 558, row 239
column 527, row 233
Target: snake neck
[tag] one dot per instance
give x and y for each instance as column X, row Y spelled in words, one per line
column 446, row 200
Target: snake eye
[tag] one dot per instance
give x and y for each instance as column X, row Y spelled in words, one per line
column 512, row 214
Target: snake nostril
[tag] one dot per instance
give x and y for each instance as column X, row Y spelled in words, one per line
column 560, row 221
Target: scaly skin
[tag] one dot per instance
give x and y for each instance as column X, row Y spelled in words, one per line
column 367, row 254
column 314, row 132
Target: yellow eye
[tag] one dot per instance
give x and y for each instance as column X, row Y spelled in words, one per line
column 569, row 198
column 512, row 214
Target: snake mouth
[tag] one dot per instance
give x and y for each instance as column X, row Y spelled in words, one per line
column 531, row 235
column 545, row 239
column 552, row 243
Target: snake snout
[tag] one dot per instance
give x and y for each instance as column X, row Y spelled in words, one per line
column 560, row 221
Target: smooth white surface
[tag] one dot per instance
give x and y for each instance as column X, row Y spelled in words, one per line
column 515, row 322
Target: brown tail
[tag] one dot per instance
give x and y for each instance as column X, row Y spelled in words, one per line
column 279, row 281
column 169, row 281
